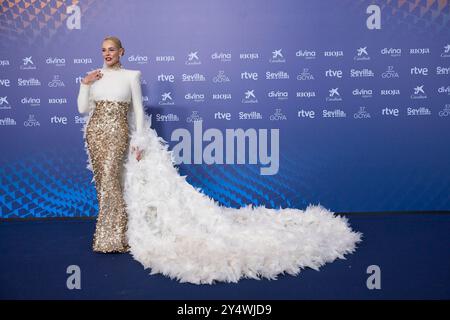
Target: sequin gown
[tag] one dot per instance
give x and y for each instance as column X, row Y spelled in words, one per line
column 107, row 140
column 173, row 228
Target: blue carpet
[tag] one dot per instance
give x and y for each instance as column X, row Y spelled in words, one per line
column 412, row 251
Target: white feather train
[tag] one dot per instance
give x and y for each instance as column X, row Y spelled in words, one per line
column 176, row 230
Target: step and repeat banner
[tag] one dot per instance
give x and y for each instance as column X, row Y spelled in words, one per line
column 276, row 103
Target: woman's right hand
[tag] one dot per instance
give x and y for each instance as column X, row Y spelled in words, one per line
column 92, row 77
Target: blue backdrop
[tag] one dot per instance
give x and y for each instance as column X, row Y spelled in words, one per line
column 356, row 95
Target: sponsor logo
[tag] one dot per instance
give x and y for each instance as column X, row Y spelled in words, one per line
column 221, row 96
column 361, row 114
column 222, row 115
column 192, row 59
column 334, row 53
column 442, row 70
column 249, row 56
column 249, row 97
column 194, row 117
column 390, row 73
column 34, row 102
column 138, row 59
column 58, row 62
column 280, row 95
column 166, row 99
column 306, row 94
column 361, row 54
column 82, row 61
column 277, row 57
column 333, row 73
column 80, row 119
column 166, row 77
column 5, row 83
column 278, row 115
column 445, row 54
column 364, row 73
column 419, row 51
column 306, row 54
column 390, row 92
column 27, row 63
column 390, row 112
column 221, row 77
column 167, row 117
column 7, row 122
column 392, row 52
column 280, row 75
column 445, row 112
column 337, row 113
column 197, row 97
column 444, row 90
column 165, row 58
column 4, row 63
column 28, row 82
column 421, row 111
column 363, row 93
column 249, row 75
column 305, row 75
column 222, row 57
column 253, row 115
column 57, row 101
column 56, row 82
column 419, row 93
column 4, row 104
column 58, row 120
column 31, row 121
column 419, row 71
column 334, row 95
column 306, row 114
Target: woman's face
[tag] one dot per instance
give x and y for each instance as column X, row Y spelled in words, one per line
column 111, row 54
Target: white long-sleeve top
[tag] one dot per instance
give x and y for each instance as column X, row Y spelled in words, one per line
column 115, row 85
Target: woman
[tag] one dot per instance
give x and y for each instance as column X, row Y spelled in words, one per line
column 168, row 225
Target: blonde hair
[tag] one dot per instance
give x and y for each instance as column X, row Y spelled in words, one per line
column 116, row 42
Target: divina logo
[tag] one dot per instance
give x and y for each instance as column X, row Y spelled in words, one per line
column 31, row 101
column 364, row 93
column 220, row 148
column 59, row 62
column 197, row 97
column 306, row 54
column 392, row 52
column 138, row 59
column 280, row 95
column 444, row 90
column 222, row 57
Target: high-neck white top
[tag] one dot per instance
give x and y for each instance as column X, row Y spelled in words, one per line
column 115, row 85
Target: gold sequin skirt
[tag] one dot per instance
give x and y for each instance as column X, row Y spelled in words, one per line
column 107, row 141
